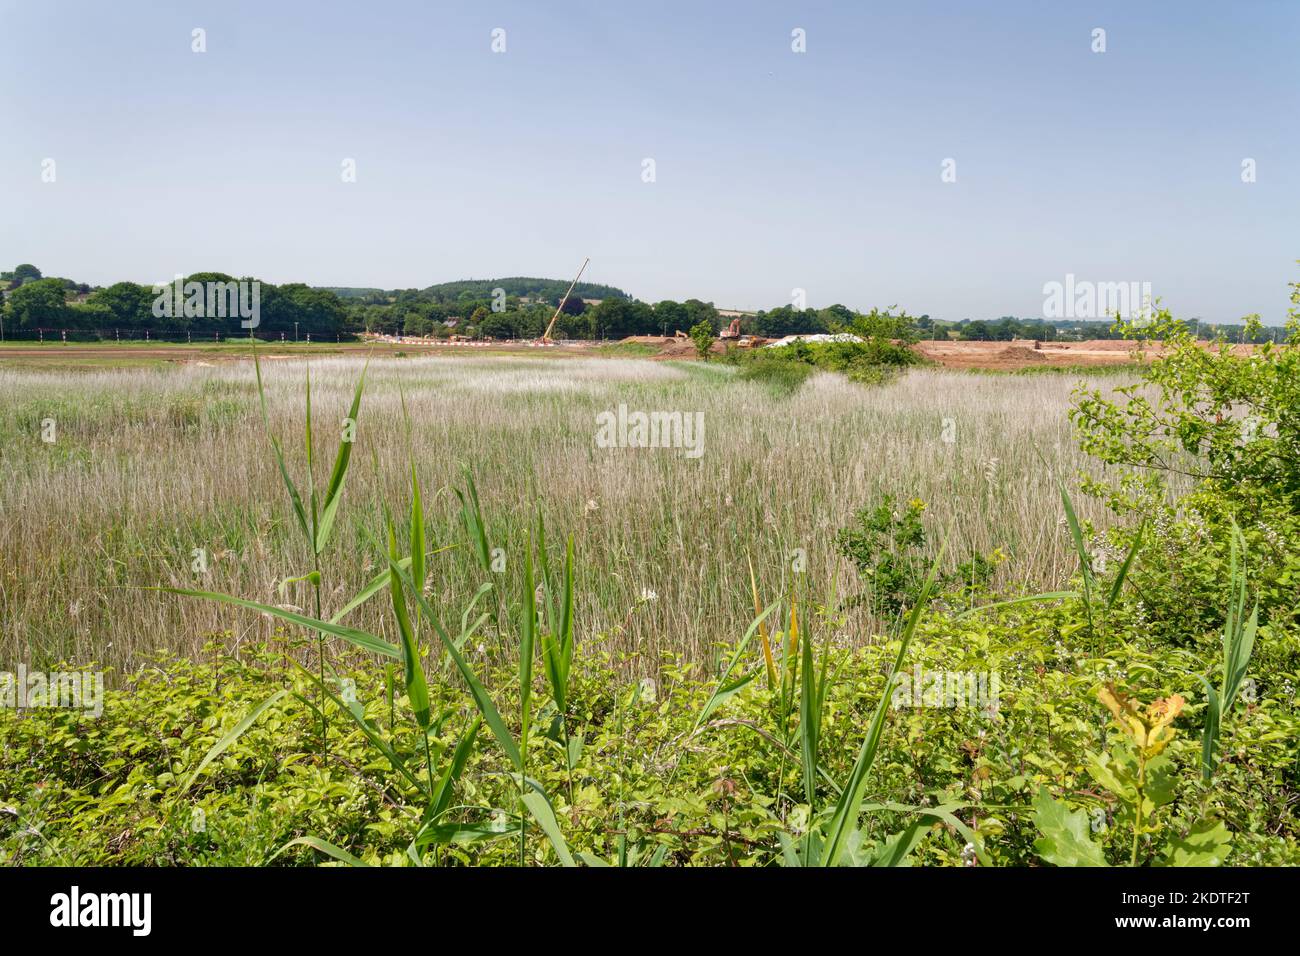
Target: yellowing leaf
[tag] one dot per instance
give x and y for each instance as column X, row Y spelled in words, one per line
column 1150, row 728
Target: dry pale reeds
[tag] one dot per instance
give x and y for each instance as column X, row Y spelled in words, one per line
column 154, row 474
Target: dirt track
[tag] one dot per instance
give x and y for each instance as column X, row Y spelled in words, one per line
column 1023, row 353
column 71, row 354
column 1028, row 354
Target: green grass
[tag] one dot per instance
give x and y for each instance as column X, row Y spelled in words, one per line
column 1124, row 370
column 782, row 378
column 626, row 350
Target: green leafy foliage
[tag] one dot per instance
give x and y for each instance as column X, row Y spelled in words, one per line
column 702, row 335
column 888, row 545
column 1065, row 839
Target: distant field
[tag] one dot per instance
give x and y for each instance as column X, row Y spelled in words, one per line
column 990, row 356
column 150, row 464
column 141, row 354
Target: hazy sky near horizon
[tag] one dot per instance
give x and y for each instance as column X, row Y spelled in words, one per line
column 774, row 170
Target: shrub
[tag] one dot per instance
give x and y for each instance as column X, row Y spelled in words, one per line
column 702, row 335
column 1224, row 422
column 784, row 377
column 888, row 546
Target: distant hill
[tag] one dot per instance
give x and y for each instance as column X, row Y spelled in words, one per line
column 351, row 292
column 549, row 290
column 544, row 290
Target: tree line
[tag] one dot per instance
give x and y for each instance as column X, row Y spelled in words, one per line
column 510, row 308
column 33, row 302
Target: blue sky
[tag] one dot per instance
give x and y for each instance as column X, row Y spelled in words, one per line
column 774, row 170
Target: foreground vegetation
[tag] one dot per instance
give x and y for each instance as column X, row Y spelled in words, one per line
column 1141, row 712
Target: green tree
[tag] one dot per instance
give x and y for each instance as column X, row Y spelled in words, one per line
column 129, row 305
column 617, row 318
column 697, row 312
column 702, row 335
column 671, row 316
column 835, row 316
column 24, row 273
column 416, row 323
column 495, row 325
column 88, row 315
column 531, row 322
column 884, row 326
column 786, row 320
column 40, row 303
column 478, row 317
column 316, row 310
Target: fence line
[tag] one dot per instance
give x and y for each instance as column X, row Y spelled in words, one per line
column 49, row 335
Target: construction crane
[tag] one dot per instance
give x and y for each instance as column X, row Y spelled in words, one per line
column 546, row 336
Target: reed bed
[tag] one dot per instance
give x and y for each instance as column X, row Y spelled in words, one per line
column 154, row 471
